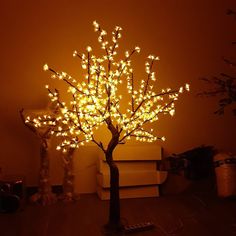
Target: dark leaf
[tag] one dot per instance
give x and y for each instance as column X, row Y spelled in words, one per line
column 225, row 101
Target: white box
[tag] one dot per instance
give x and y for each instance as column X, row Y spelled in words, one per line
column 130, row 192
column 135, row 153
column 137, row 178
column 128, row 166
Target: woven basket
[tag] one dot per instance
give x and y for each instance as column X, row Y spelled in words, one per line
column 225, row 170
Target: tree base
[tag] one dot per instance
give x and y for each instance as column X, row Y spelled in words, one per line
column 43, row 199
column 113, row 228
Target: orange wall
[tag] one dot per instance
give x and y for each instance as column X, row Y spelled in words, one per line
column 189, row 36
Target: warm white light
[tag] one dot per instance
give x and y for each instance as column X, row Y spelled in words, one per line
column 187, row 87
column 89, row 49
column 163, row 138
column 137, row 49
column 96, row 98
column 96, row 26
column 75, row 53
column 172, row 112
column 45, row 67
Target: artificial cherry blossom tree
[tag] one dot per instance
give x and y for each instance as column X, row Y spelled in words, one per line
column 44, row 195
column 69, row 193
column 43, row 126
column 97, row 100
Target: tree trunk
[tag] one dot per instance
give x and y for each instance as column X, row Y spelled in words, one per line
column 44, row 194
column 68, row 180
column 114, row 223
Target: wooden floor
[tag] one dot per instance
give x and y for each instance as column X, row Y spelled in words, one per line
column 193, row 213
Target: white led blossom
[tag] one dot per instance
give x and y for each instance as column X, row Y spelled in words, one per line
column 96, row 99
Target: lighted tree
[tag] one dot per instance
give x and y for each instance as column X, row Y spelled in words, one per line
column 97, row 100
column 44, row 126
column 44, row 195
column 69, row 193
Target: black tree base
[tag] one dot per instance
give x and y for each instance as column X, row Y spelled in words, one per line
column 113, row 228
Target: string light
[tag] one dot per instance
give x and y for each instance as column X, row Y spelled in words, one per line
column 96, row 99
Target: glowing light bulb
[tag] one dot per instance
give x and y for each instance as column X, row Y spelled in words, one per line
column 187, row 87
column 137, row 49
column 45, row 67
column 172, row 112
column 96, row 26
column 181, row 89
column 75, row 53
column 89, row 49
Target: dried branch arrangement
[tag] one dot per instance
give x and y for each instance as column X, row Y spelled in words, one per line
column 223, row 85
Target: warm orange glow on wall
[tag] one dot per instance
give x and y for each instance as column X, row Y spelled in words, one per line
column 189, row 36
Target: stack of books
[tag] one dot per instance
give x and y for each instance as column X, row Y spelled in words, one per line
column 139, row 175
